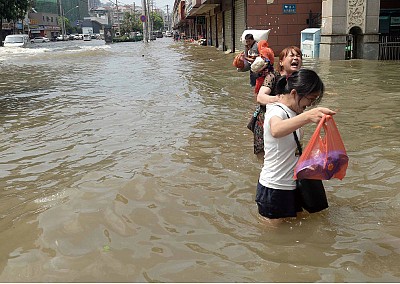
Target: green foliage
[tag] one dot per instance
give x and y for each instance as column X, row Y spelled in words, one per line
column 126, row 38
column 158, row 23
column 69, row 29
column 131, row 23
column 13, row 9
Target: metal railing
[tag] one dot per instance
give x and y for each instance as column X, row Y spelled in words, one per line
column 389, row 47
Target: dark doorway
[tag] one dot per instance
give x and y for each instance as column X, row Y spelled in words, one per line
column 353, row 44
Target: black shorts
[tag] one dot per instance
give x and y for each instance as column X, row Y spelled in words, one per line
column 276, row 203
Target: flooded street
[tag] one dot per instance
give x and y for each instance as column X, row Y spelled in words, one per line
column 132, row 162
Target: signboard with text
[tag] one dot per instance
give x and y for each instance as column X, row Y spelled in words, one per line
column 289, row 8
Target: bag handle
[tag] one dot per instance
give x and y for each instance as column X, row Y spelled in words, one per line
column 321, row 124
column 324, row 119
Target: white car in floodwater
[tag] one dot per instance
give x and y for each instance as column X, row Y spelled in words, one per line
column 16, row 41
column 40, row 39
column 87, row 37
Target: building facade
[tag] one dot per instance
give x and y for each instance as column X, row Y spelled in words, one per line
column 349, row 28
column 222, row 22
column 74, row 10
column 43, row 24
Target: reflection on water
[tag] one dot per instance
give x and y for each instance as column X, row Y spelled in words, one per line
column 132, row 162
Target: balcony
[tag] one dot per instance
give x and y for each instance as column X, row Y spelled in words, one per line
column 200, row 7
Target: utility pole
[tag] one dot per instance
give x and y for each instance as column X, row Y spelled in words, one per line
column 149, row 25
column 168, row 20
column 119, row 27
column 151, row 16
column 27, row 23
column 62, row 20
column 145, row 22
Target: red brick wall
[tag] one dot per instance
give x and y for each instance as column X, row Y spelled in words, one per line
column 285, row 28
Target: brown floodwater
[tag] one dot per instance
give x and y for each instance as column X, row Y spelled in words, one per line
column 132, row 162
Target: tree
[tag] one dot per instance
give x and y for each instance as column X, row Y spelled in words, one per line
column 12, row 10
column 158, row 23
column 131, row 23
column 69, row 29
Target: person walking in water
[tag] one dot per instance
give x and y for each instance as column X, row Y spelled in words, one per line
column 290, row 60
column 276, row 195
column 250, row 54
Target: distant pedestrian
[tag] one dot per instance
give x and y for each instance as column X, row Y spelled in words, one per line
column 250, row 54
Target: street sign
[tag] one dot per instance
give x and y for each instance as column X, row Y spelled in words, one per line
column 289, row 8
column 143, row 18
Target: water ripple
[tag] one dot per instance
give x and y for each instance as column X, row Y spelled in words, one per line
column 132, row 162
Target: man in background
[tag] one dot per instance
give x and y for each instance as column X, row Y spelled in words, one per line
column 250, row 54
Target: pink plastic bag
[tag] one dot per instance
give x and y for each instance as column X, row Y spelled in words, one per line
column 324, row 157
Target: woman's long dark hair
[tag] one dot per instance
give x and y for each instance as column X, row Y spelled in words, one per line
column 304, row 81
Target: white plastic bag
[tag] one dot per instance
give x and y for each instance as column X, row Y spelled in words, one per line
column 257, row 34
column 258, row 64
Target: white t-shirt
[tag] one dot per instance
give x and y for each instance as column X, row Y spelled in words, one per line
column 280, row 153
